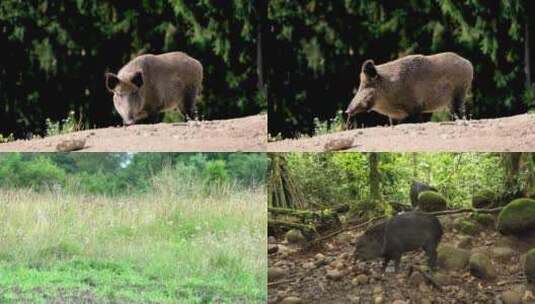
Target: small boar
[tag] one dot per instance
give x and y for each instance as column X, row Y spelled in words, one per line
column 416, row 189
column 401, row 233
column 151, row 84
column 413, row 86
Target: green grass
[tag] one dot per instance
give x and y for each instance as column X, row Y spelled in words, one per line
column 178, row 244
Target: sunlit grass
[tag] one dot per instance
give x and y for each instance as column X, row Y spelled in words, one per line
column 183, row 242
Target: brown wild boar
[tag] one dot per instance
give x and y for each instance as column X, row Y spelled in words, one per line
column 414, row 85
column 151, row 84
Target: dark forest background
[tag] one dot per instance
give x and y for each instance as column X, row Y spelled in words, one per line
column 317, row 48
column 55, row 54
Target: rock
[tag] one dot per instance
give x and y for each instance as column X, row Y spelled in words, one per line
column 292, row 300
column 340, row 266
column 481, row 267
column 511, row 297
column 486, row 220
column 361, row 279
column 272, row 239
column 334, row 275
column 273, row 249
column 451, row 258
column 502, row 253
column 416, row 278
column 295, row 236
column 484, row 199
column 442, row 279
column 517, row 217
column 431, row 201
column 529, row 266
column 345, row 256
column 466, row 226
column 308, row 265
column 319, row 257
column 379, row 300
column 337, row 144
column 528, row 297
column 377, row 290
column 465, row 242
column 275, row 274
column 345, row 238
column 70, row 145
column 399, row 302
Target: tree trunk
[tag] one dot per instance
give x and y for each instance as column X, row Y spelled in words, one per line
column 282, row 190
column 373, row 162
column 527, row 59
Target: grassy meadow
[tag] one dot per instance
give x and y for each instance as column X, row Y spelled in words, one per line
column 181, row 242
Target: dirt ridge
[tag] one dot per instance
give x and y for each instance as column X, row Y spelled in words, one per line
column 247, row 134
column 507, row 134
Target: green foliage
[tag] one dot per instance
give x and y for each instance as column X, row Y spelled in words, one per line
column 67, row 125
column 332, row 125
column 39, row 172
column 215, row 172
column 118, row 173
column 329, row 40
column 60, row 51
column 331, row 179
column 6, row 139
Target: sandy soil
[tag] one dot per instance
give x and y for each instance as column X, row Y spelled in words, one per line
column 515, row 133
column 247, row 134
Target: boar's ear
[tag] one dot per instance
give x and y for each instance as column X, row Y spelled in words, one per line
column 137, row 79
column 111, row 81
column 368, row 68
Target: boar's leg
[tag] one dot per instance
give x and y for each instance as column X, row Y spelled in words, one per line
column 431, row 252
column 190, row 94
column 458, row 107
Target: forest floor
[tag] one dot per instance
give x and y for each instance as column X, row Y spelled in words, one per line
column 248, row 134
column 515, row 133
column 327, row 274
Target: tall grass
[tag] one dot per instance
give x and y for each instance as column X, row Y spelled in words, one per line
column 185, row 241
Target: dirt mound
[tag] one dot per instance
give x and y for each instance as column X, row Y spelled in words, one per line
column 246, row 134
column 515, row 133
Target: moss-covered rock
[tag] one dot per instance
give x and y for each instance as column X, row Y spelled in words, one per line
column 517, row 217
column 483, row 199
column 466, row 226
column 451, row 258
column 295, row 236
column 529, row 266
column 481, row 267
column 431, row 201
column 486, row 220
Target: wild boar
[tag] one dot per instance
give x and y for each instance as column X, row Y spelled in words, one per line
column 151, row 84
column 402, row 233
column 413, row 86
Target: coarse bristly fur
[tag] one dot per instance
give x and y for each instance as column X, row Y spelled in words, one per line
column 150, row 84
column 414, row 85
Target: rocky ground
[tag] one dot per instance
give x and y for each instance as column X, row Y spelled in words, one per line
column 247, row 134
column 476, row 265
column 507, row 134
